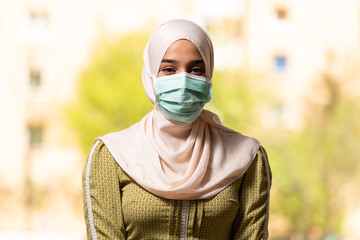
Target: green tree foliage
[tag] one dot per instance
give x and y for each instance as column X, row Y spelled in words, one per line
column 313, row 168
column 110, row 96
column 238, row 100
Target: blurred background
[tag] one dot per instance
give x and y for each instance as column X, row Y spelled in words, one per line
column 286, row 72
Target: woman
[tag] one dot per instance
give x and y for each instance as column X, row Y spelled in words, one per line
column 178, row 173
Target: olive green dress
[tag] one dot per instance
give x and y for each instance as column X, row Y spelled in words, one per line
column 116, row 207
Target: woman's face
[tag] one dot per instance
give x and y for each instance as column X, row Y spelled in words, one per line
column 182, row 56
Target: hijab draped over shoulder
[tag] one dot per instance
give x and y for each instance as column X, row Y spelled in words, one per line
column 176, row 160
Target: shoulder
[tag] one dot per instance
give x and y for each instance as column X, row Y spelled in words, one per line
column 260, row 166
column 261, row 157
column 261, row 154
column 98, row 150
column 101, row 164
column 100, row 159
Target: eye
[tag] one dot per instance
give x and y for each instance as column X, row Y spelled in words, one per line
column 168, row 70
column 197, row 70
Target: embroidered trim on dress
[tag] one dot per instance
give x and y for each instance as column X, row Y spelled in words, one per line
column 88, row 197
column 185, row 208
column 266, row 231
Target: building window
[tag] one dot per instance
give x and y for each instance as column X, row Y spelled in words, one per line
column 37, row 27
column 35, row 136
column 280, row 63
column 38, row 21
column 280, row 23
column 281, row 13
column 34, row 79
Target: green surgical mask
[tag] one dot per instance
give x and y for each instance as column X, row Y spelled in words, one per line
column 181, row 97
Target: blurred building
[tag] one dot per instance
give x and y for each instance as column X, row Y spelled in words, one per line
column 295, row 42
column 45, row 44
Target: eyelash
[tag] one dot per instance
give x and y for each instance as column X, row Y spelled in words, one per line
column 198, row 70
column 168, row 70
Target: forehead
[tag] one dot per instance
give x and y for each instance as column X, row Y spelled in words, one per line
column 182, row 49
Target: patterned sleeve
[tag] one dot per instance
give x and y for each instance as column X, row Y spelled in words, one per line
column 252, row 220
column 102, row 196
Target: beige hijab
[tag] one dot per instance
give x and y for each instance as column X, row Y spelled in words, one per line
column 174, row 160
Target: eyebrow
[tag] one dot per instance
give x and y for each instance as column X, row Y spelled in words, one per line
column 197, row 61
column 169, row 61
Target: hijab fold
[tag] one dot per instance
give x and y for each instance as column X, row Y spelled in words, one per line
column 175, row 160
